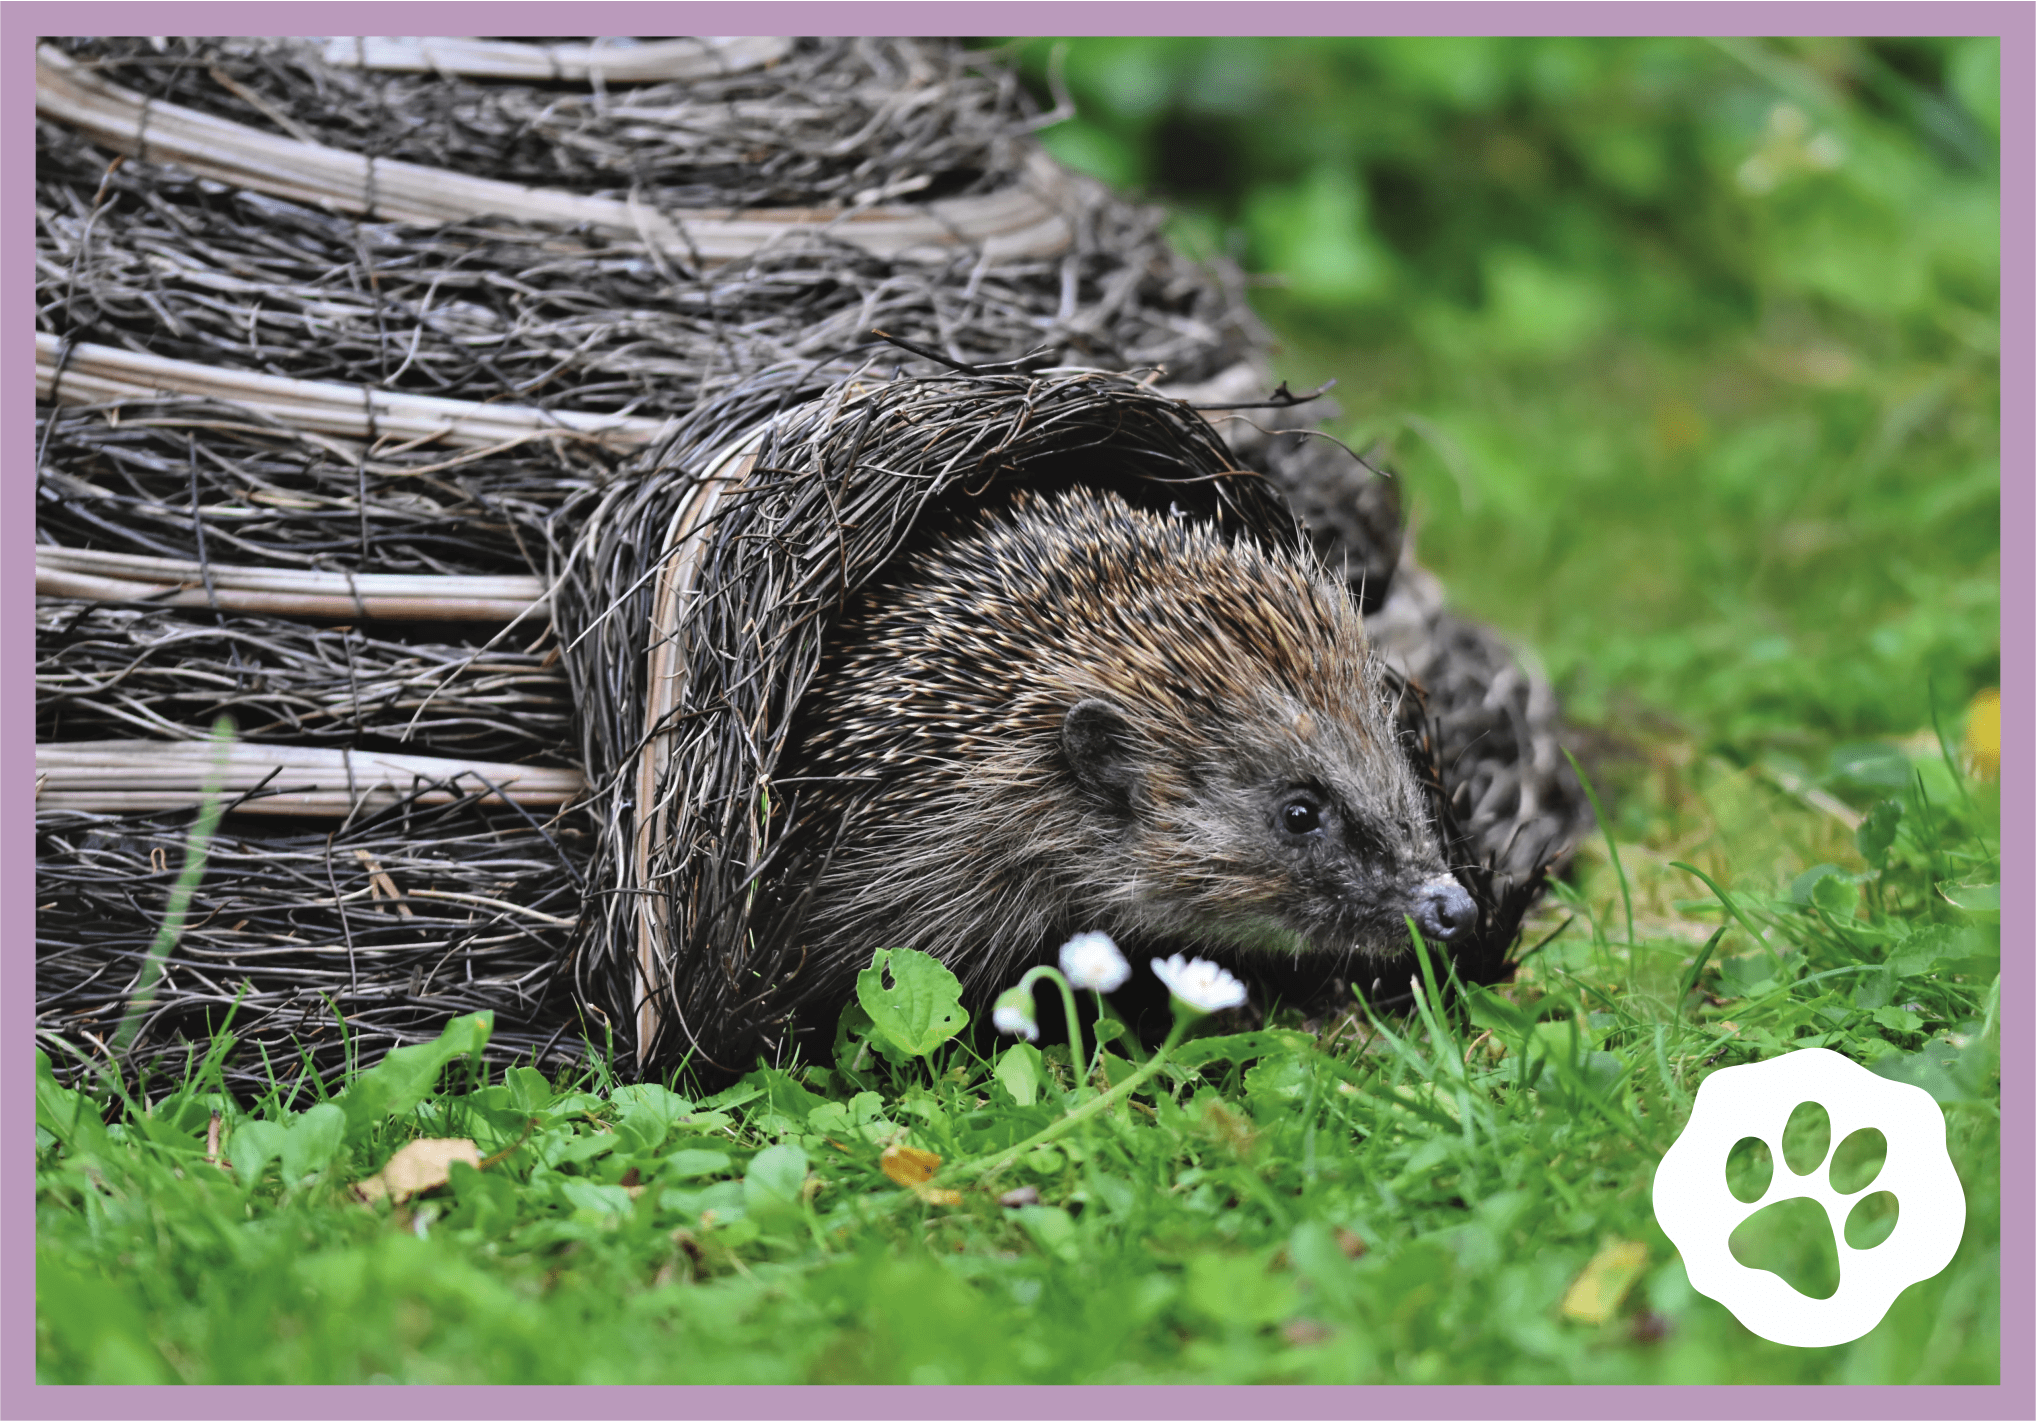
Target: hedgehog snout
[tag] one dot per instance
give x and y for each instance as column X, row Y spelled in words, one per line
column 1442, row 910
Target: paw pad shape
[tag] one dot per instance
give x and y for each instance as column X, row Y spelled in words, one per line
column 1698, row 1211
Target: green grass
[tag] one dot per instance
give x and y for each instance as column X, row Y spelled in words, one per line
column 1685, row 350
column 1412, row 1203
column 1721, row 452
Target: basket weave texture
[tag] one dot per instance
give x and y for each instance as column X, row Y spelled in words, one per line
column 509, row 532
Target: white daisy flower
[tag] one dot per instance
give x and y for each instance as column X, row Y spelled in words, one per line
column 1199, row 985
column 1092, row 961
column 1014, row 1016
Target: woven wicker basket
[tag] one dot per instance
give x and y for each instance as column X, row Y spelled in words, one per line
column 494, row 431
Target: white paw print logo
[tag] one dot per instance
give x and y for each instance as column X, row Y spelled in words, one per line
column 1698, row 1211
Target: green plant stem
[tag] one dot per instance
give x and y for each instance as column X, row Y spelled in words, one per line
column 1096, row 1056
column 1127, row 1039
column 1074, row 1024
column 1611, row 846
column 196, row 846
column 1088, row 1110
column 1730, row 907
column 1697, row 968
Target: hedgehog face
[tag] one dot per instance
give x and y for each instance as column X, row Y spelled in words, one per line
column 1308, row 833
column 1352, row 881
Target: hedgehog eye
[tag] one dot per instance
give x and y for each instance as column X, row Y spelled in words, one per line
column 1300, row 816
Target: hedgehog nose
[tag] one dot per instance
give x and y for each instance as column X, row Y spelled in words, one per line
column 1442, row 910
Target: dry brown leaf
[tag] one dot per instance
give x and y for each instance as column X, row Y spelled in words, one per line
column 905, row 1165
column 418, row 1166
column 912, row 1168
column 1605, row 1281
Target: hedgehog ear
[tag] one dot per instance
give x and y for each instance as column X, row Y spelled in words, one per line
column 1096, row 738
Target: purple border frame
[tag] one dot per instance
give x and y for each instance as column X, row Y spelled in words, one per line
column 2015, row 23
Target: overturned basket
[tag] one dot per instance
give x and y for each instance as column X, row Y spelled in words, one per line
column 508, row 521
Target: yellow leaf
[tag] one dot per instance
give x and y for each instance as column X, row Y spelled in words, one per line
column 417, row 1167
column 912, row 1168
column 1605, row 1281
column 904, row 1165
column 1983, row 735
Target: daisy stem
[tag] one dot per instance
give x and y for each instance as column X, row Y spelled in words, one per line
column 1096, row 1060
column 1081, row 1114
column 1074, row 1023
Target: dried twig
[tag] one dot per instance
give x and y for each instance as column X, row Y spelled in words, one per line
column 128, row 776
column 506, row 59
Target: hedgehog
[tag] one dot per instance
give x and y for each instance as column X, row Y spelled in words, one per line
column 1080, row 715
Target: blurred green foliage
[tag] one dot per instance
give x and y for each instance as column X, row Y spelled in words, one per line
column 1687, row 349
